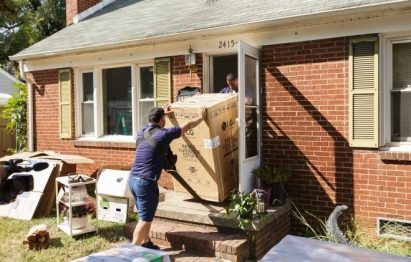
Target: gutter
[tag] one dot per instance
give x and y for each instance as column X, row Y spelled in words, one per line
column 30, row 125
column 219, row 30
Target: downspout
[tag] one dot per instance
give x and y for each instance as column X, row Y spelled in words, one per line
column 30, row 131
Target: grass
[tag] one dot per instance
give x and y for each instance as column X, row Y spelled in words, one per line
column 356, row 236
column 62, row 247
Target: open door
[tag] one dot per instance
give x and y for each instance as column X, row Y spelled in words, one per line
column 249, row 119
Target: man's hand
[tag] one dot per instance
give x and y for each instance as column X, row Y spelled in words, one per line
column 195, row 122
column 167, row 109
column 202, row 111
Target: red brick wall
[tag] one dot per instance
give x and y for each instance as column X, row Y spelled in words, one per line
column 74, row 7
column 181, row 74
column 306, row 127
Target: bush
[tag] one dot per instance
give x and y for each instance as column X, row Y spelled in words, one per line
column 15, row 113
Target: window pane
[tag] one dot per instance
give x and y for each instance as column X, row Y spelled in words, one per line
column 401, row 100
column 143, row 112
column 251, row 113
column 88, row 86
column 87, row 108
column 146, row 82
column 117, row 101
column 88, row 117
column 401, row 116
column 401, row 65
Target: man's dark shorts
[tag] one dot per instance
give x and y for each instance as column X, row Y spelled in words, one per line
column 145, row 193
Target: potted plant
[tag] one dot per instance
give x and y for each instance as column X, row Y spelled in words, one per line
column 265, row 174
column 273, row 182
column 242, row 205
column 79, row 218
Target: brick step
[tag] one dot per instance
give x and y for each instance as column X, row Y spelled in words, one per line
column 189, row 256
column 202, row 240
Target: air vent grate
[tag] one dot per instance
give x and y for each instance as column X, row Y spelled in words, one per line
column 394, row 228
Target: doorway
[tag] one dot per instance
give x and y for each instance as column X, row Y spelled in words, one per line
column 221, row 66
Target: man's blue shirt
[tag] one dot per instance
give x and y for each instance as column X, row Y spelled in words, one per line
column 149, row 161
column 227, row 90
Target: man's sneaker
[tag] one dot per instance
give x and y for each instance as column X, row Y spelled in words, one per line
column 150, row 245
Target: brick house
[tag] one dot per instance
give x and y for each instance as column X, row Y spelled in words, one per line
column 330, row 80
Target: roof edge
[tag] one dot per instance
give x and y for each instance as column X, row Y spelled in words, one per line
column 88, row 12
column 175, row 36
column 8, row 75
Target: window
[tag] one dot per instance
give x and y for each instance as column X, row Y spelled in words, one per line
column 401, row 92
column 87, row 103
column 117, row 105
column 112, row 103
column 146, row 95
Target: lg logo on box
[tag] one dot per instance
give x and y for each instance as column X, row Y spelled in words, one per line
column 190, row 132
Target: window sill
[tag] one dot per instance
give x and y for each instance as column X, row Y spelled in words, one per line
column 107, row 141
column 396, row 153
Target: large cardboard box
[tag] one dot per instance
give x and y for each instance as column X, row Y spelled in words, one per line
column 207, row 155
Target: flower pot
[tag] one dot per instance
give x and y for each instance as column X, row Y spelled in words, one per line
column 268, row 190
column 278, row 195
column 77, row 222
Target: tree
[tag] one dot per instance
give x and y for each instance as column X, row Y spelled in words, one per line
column 25, row 22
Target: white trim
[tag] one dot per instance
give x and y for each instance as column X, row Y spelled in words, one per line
column 209, row 43
column 208, row 66
column 138, row 94
column 98, row 101
column 78, row 92
column 98, row 114
column 135, row 76
column 86, row 13
column 387, row 42
column 108, row 138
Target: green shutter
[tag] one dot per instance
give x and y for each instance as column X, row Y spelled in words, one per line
column 162, row 81
column 363, row 95
column 65, row 103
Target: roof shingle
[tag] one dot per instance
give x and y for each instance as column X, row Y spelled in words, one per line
column 131, row 20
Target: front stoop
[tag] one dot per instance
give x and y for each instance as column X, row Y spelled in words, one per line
column 198, row 239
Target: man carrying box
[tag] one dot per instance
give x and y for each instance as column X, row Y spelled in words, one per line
column 152, row 144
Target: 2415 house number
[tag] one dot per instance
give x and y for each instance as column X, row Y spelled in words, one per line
column 226, row 44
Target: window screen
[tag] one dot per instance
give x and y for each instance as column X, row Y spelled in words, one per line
column 401, row 92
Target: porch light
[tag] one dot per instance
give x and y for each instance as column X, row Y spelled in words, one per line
column 190, row 58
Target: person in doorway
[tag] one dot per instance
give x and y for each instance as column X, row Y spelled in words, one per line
column 232, row 84
column 153, row 141
column 232, row 88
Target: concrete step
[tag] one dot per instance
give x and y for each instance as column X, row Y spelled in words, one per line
column 206, row 241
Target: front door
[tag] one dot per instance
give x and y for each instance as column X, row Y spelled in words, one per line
column 249, row 114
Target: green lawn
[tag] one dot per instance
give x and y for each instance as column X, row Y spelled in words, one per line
column 62, row 248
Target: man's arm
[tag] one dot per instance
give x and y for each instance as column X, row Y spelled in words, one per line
column 195, row 122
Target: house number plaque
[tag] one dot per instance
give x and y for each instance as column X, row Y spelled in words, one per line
column 226, row 44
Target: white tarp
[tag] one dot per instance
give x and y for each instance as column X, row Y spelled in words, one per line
column 127, row 253
column 302, row 249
